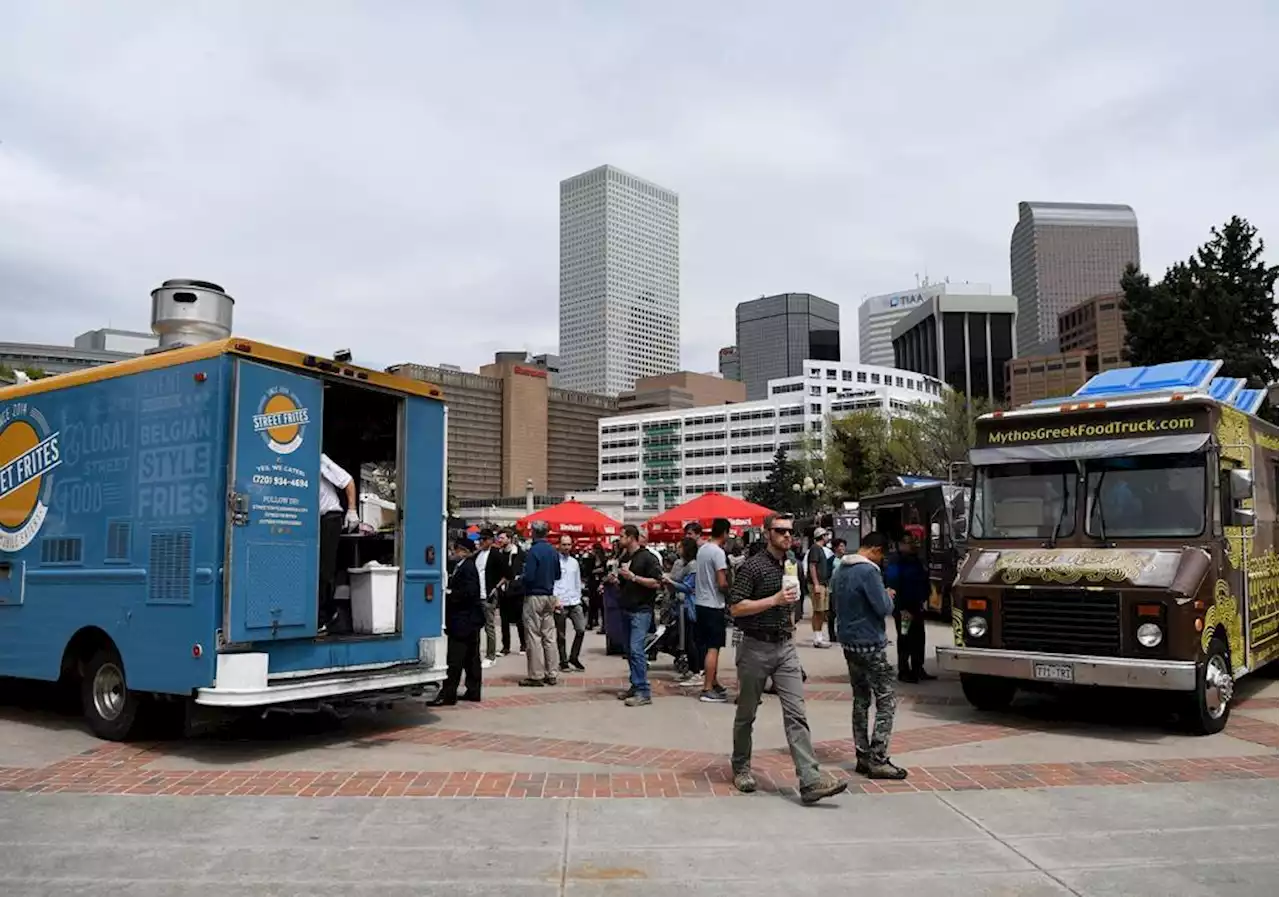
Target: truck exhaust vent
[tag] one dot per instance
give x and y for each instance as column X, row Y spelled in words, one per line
column 190, row 312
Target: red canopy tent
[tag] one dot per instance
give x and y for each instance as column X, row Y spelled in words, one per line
column 573, row 518
column 704, row 509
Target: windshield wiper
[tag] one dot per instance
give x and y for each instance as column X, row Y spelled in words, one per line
column 1062, row 515
column 1097, row 503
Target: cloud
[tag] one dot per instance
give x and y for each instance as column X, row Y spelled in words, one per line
column 385, row 176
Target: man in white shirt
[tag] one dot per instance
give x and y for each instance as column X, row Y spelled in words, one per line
column 332, row 524
column 489, row 566
column 568, row 594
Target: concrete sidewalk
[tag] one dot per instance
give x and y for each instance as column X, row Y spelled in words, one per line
column 1201, row 840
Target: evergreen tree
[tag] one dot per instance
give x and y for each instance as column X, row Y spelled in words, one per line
column 1220, row 303
column 774, row 491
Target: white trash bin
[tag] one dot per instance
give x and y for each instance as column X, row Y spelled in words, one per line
column 373, row 599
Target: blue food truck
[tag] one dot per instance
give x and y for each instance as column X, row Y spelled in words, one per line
column 160, row 526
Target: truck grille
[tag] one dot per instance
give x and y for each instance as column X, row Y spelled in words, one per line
column 1061, row 621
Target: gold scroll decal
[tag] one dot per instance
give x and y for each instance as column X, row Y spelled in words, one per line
column 1069, row 566
column 1225, row 612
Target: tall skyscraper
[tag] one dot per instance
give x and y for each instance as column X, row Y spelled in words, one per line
column 1062, row 253
column 619, row 281
column 777, row 333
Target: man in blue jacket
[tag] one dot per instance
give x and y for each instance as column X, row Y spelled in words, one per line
column 861, row 604
column 541, row 570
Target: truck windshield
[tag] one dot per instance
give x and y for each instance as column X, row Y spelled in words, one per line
column 1024, row 501
column 1146, row 497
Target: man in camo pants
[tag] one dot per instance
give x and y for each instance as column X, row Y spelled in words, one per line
column 861, row 604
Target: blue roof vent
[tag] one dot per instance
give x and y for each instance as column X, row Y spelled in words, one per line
column 1249, row 400
column 1225, row 389
column 1174, row 376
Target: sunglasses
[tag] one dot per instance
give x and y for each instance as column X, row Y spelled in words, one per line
column 783, row 531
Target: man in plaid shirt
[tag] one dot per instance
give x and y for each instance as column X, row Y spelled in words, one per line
column 764, row 613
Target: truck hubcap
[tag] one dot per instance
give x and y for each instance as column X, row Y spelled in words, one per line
column 108, row 691
column 1217, row 687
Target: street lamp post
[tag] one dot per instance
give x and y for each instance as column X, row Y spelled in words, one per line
column 809, row 492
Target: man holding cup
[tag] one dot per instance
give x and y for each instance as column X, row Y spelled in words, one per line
column 762, row 604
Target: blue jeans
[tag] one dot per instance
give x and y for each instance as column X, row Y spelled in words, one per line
column 637, row 631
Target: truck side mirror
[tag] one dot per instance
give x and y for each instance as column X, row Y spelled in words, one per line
column 1240, row 484
column 1242, row 517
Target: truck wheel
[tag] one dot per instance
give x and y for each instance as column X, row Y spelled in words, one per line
column 1209, row 708
column 109, row 706
column 988, row 692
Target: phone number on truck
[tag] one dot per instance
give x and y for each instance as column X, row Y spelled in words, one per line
column 262, row 479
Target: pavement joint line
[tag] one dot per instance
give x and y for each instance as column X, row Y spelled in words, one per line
column 1002, row 842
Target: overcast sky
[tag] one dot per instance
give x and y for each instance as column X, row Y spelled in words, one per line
column 384, row 175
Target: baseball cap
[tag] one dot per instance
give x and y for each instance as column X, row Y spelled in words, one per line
column 821, row 533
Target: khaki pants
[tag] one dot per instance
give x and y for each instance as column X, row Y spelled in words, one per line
column 540, row 632
column 757, row 661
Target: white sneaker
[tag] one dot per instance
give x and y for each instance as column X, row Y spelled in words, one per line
column 820, row 640
column 486, row 664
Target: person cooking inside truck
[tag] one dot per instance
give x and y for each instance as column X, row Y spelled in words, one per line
column 333, row 522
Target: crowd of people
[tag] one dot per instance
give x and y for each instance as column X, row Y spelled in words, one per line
column 709, row 586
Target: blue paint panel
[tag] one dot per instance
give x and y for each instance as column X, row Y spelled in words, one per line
column 275, row 552
column 134, row 470
column 1250, row 400
column 135, row 455
column 1175, row 375
column 1224, row 389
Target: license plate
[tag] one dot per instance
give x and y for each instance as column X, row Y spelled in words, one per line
column 1054, row 672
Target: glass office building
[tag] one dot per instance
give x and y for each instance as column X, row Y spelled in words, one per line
column 777, row 334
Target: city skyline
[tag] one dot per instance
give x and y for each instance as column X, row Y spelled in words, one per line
column 376, row 209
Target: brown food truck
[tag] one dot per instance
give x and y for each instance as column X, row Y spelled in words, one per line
column 1124, row 539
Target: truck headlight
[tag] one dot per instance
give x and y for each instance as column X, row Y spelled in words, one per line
column 976, row 627
column 1149, row 635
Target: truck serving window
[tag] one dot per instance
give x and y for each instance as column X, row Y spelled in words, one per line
column 1146, row 496
column 1024, row 501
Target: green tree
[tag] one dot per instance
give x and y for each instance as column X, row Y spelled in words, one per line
column 774, row 491
column 947, row 430
column 1220, row 303
column 860, row 443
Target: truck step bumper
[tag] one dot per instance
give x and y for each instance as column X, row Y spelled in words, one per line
column 327, row 688
column 1114, row 672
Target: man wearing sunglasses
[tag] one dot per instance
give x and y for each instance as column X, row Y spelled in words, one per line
column 765, row 614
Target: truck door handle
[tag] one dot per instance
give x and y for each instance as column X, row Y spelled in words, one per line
column 238, row 504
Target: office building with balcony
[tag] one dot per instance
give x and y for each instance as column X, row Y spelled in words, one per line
column 659, row 459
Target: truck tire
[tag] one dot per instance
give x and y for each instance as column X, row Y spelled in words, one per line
column 988, row 692
column 1209, row 707
column 110, row 708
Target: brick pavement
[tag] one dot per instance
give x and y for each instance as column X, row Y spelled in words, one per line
column 942, row 721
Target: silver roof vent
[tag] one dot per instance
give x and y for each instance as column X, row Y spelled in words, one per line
column 190, row 312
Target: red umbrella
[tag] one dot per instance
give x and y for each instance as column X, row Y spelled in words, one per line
column 704, row 509
column 573, row 518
